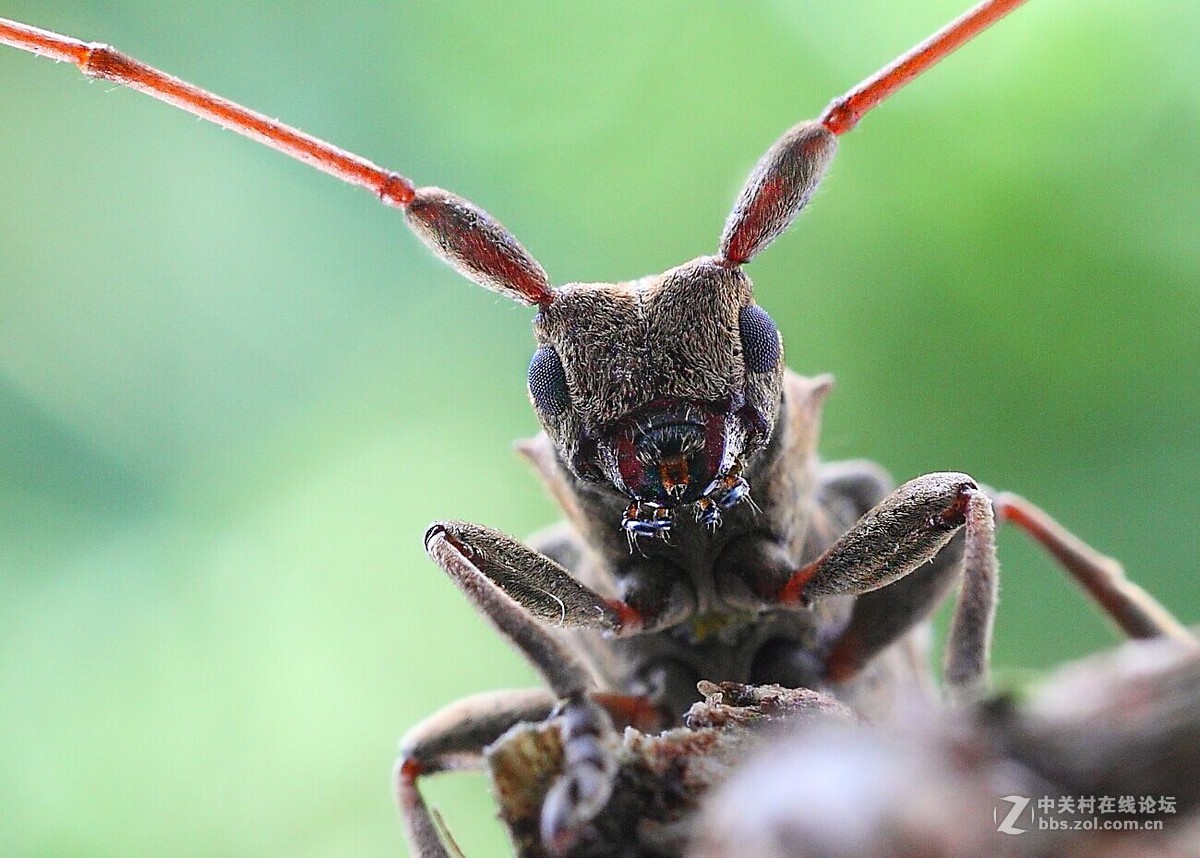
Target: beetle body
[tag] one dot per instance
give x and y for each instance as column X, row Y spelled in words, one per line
column 638, row 359
column 697, row 590
column 658, row 436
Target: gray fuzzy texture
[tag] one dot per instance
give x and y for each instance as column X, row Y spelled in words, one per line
column 563, row 673
column 903, row 532
column 672, row 335
column 805, row 507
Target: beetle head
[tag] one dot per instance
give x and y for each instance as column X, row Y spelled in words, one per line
column 664, row 386
column 661, row 386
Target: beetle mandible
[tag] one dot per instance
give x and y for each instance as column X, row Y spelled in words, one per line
column 678, row 431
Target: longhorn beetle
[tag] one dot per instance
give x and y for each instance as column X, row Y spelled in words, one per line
column 652, row 515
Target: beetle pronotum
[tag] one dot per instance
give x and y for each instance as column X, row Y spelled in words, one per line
column 37, row 363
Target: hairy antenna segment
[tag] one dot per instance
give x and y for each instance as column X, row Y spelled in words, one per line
column 780, row 185
column 462, row 234
column 477, row 246
column 784, row 180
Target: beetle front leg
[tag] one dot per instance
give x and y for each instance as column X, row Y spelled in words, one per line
column 474, row 555
column 910, row 527
column 515, row 587
column 898, row 537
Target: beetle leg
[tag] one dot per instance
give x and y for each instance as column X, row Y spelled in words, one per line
column 896, row 536
column 514, row 587
column 1133, row 609
column 454, row 738
column 588, row 773
column 969, row 642
column 895, row 539
column 878, row 619
column 882, row 617
column 514, row 591
column 481, row 560
column 891, row 544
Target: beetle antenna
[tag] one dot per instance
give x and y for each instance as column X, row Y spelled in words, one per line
column 844, row 113
column 784, row 179
column 462, row 234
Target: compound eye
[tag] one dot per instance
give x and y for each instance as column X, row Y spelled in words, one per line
column 548, row 382
column 760, row 339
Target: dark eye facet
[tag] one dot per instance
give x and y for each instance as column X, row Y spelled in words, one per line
column 760, row 339
column 548, row 382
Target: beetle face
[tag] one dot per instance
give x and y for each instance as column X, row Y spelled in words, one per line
column 660, row 387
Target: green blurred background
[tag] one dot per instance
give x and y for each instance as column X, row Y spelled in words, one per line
column 233, row 392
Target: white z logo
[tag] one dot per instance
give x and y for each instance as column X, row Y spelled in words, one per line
column 1019, row 803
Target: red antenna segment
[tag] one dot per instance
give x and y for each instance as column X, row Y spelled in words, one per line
column 104, row 62
column 843, row 113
